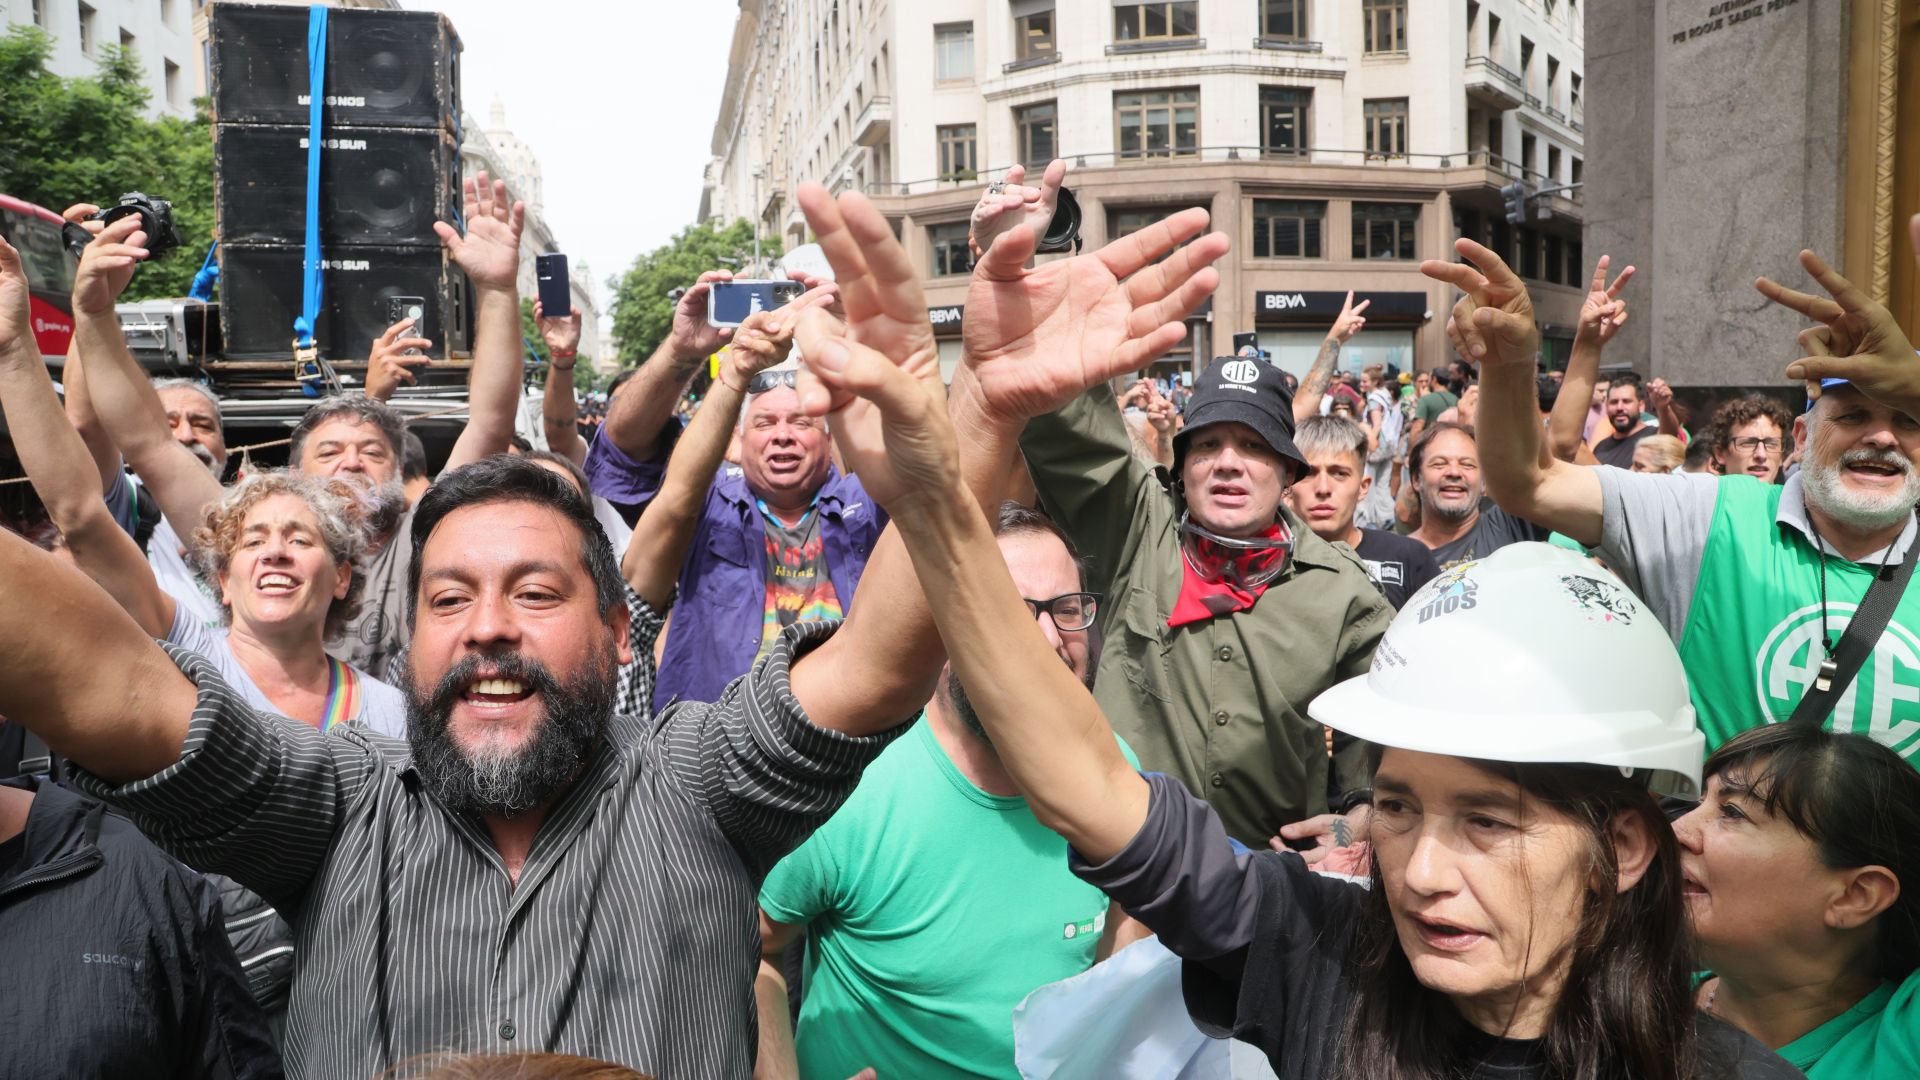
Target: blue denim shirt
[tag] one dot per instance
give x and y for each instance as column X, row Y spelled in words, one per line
column 720, row 608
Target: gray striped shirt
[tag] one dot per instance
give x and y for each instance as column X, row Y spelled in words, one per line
column 631, row 935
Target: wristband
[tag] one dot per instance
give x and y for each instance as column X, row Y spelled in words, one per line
column 558, row 355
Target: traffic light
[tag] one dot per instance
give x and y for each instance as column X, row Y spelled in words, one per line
column 1515, row 195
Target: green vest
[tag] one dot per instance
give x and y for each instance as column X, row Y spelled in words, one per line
column 1752, row 643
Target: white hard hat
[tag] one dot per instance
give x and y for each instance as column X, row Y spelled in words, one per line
column 1533, row 654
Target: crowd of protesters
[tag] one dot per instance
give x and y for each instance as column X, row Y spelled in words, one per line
column 1481, row 721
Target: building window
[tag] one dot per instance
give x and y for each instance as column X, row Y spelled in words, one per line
column 1497, row 135
column 1284, row 19
column 1033, row 34
column 1528, row 242
column 40, row 13
column 953, row 52
column 1034, row 125
column 1573, row 89
column 957, row 152
column 167, row 10
column 1384, row 230
column 1526, row 65
column 950, row 255
column 1288, row 229
column 1157, row 123
column 1156, row 22
column 1574, row 176
column 1493, row 37
column 86, row 30
column 1556, row 268
column 1386, row 127
column 1527, row 155
column 1553, row 163
column 126, row 42
column 173, row 83
column 1284, row 116
column 1386, row 25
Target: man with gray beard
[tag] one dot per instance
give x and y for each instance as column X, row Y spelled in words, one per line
column 1755, row 582
column 934, row 901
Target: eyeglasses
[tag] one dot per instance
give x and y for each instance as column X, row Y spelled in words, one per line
column 1070, row 611
column 1747, row 444
column 770, row 380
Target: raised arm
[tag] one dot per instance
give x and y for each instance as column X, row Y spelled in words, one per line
column 666, row 527
column 490, row 255
column 1602, row 315
column 638, row 413
column 392, row 360
column 560, row 411
column 121, row 392
column 1493, row 326
column 62, row 473
column 73, row 378
column 1044, row 724
column 1660, row 396
column 1036, row 340
column 1351, row 321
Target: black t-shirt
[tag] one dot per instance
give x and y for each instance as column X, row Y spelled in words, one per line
column 1268, row 948
column 11, row 850
column 1495, row 530
column 1398, row 565
column 1617, row 451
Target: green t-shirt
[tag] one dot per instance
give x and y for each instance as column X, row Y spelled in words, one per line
column 933, row 909
column 1878, row 1039
column 1430, row 407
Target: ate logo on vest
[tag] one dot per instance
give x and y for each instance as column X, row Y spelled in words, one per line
column 1884, row 700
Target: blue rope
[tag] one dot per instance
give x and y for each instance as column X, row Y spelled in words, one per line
column 311, row 292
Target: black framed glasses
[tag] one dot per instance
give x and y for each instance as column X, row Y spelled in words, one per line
column 1070, row 611
column 771, row 380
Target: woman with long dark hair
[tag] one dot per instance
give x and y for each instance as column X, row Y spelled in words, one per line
column 1801, row 872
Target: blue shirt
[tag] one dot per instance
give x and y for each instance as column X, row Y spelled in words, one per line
column 721, row 598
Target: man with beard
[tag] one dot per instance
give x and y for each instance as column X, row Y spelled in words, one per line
column 1625, row 409
column 528, row 871
column 349, row 436
column 1756, row 582
column 1457, row 521
column 934, row 900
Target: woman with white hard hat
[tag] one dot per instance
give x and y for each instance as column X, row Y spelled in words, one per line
column 1524, row 916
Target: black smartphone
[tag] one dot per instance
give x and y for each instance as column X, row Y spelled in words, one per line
column 556, row 291
column 409, row 307
column 729, row 303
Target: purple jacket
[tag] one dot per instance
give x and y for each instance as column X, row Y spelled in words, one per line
column 719, row 609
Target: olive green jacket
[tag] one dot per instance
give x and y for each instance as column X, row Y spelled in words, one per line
column 1219, row 705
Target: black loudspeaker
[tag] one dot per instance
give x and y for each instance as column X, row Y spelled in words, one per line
column 260, row 292
column 382, row 186
column 385, row 68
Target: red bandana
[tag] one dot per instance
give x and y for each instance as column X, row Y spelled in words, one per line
column 1208, row 596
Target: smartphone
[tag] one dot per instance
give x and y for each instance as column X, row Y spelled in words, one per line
column 729, row 303
column 556, row 291
column 409, row 307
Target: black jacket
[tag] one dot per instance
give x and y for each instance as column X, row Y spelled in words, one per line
column 116, row 963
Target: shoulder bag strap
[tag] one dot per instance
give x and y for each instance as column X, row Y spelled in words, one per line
column 1863, row 633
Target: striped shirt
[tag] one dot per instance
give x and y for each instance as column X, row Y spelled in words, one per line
column 631, row 936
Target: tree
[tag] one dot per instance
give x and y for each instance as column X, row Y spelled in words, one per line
column 64, row 141
column 642, row 312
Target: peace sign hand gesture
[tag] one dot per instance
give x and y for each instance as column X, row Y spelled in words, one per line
column 1857, row 339
column 1603, row 313
column 1493, row 321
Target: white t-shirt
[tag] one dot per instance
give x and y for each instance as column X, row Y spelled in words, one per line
column 382, row 708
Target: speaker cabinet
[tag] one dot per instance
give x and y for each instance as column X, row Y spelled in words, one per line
column 260, row 290
column 382, row 186
column 385, row 68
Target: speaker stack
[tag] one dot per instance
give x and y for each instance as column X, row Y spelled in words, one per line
column 389, row 168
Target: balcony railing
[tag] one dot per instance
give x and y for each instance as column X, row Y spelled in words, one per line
column 1533, row 102
column 1123, row 48
column 1211, row 155
column 1492, row 84
column 1039, row 60
column 1482, row 63
column 1287, row 44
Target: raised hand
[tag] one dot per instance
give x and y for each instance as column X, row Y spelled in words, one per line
column 1857, row 339
column 1351, row 320
column 1659, row 395
column 878, row 373
column 690, row 337
column 106, row 265
column 1493, row 320
column 560, row 332
column 766, row 338
column 389, row 366
column 490, row 250
column 1016, row 204
column 1603, row 313
column 16, row 307
column 1037, row 338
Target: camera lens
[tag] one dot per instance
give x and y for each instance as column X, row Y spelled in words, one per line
column 1063, row 232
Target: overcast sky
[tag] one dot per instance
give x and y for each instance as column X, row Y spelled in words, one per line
column 616, row 100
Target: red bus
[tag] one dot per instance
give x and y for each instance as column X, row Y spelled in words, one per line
column 35, row 232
